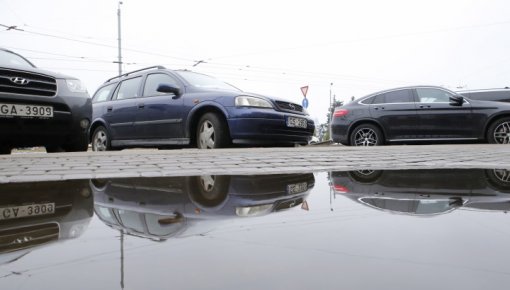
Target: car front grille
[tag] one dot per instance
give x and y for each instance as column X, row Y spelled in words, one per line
column 26, row 83
column 289, row 107
column 27, row 237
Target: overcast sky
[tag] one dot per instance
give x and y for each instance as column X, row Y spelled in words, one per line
column 273, row 47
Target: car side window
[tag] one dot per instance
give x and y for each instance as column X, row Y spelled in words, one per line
column 128, row 89
column 400, row 96
column 154, row 80
column 379, row 99
column 431, row 95
column 103, row 93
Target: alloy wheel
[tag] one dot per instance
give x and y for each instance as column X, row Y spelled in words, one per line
column 365, row 137
column 502, row 133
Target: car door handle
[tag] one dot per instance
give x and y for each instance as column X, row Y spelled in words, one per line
column 424, row 107
column 377, row 108
column 141, row 106
column 109, row 109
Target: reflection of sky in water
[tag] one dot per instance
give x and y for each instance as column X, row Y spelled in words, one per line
column 337, row 244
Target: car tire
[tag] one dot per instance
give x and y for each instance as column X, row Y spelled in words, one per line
column 208, row 191
column 366, row 135
column 101, row 139
column 366, row 176
column 212, row 132
column 499, row 132
column 499, row 179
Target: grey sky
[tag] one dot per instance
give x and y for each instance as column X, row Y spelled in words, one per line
column 273, row 47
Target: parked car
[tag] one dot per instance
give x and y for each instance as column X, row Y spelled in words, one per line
column 500, row 95
column 37, row 214
column 426, row 192
column 420, row 114
column 158, row 107
column 41, row 108
column 164, row 207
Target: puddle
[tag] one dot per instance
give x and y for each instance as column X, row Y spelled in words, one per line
column 401, row 228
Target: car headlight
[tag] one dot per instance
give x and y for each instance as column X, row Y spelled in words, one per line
column 248, row 211
column 75, row 86
column 246, row 101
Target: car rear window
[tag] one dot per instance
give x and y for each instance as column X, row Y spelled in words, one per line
column 400, row 96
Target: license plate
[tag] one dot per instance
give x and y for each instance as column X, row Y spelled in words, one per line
column 17, row 110
column 15, row 212
column 296, row 122
column 297, row 188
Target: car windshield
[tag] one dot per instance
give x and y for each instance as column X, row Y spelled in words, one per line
column 11, row 59
column 205, row 81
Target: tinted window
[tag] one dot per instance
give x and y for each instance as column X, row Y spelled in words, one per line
column 379, row 99
column 400, row 96
column 430, row 95
column 154, row 80
column 129, row 89
column 103, row 93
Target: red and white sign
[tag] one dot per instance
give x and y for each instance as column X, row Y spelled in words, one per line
column 304, row 90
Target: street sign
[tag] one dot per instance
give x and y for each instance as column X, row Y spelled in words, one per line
column 305, row 103
column 304, row 90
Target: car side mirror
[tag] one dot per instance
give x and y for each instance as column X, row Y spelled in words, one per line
column 456, row 100
column 167, row 89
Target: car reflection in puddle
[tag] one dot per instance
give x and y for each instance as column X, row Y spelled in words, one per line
column 36, row 214
column 426, row 192
column 161, row 208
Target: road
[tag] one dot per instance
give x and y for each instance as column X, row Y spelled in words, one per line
column 246, row 161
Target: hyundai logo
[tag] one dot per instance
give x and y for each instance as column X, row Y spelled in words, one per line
column 19, row 80
column 292, row 107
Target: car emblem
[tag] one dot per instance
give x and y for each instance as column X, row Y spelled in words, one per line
column 292, row 107
column 19, row 80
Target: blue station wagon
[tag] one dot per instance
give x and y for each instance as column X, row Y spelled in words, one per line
column 159, row 107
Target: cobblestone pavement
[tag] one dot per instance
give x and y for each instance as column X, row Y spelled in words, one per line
column 184, row 162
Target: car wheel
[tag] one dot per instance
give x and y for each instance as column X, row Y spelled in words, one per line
column 212, row 132
column 100, row 139
column 499, row 178
column 209, row 191
column 499, row 132
column 366, row 135
column 366, row 176
column 5, row 150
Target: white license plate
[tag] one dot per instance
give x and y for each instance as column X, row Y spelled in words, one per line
column 296, row 122
column 34, row 111
column 15, row 212
column 297, row 188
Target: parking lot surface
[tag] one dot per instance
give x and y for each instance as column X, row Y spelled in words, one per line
column 246, row 161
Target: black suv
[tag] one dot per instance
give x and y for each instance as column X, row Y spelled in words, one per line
column 41, row 108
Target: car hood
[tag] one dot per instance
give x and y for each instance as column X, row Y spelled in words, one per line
column 39, row 71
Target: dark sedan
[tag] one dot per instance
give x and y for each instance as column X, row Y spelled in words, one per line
column 159, row 107
column 420, row 114
column 426, row 191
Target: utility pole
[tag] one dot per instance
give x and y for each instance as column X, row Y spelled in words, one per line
column 119, row 38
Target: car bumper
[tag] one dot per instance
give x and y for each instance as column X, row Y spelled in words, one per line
column 63, row 127
column 266, row 126
column 340, row 133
